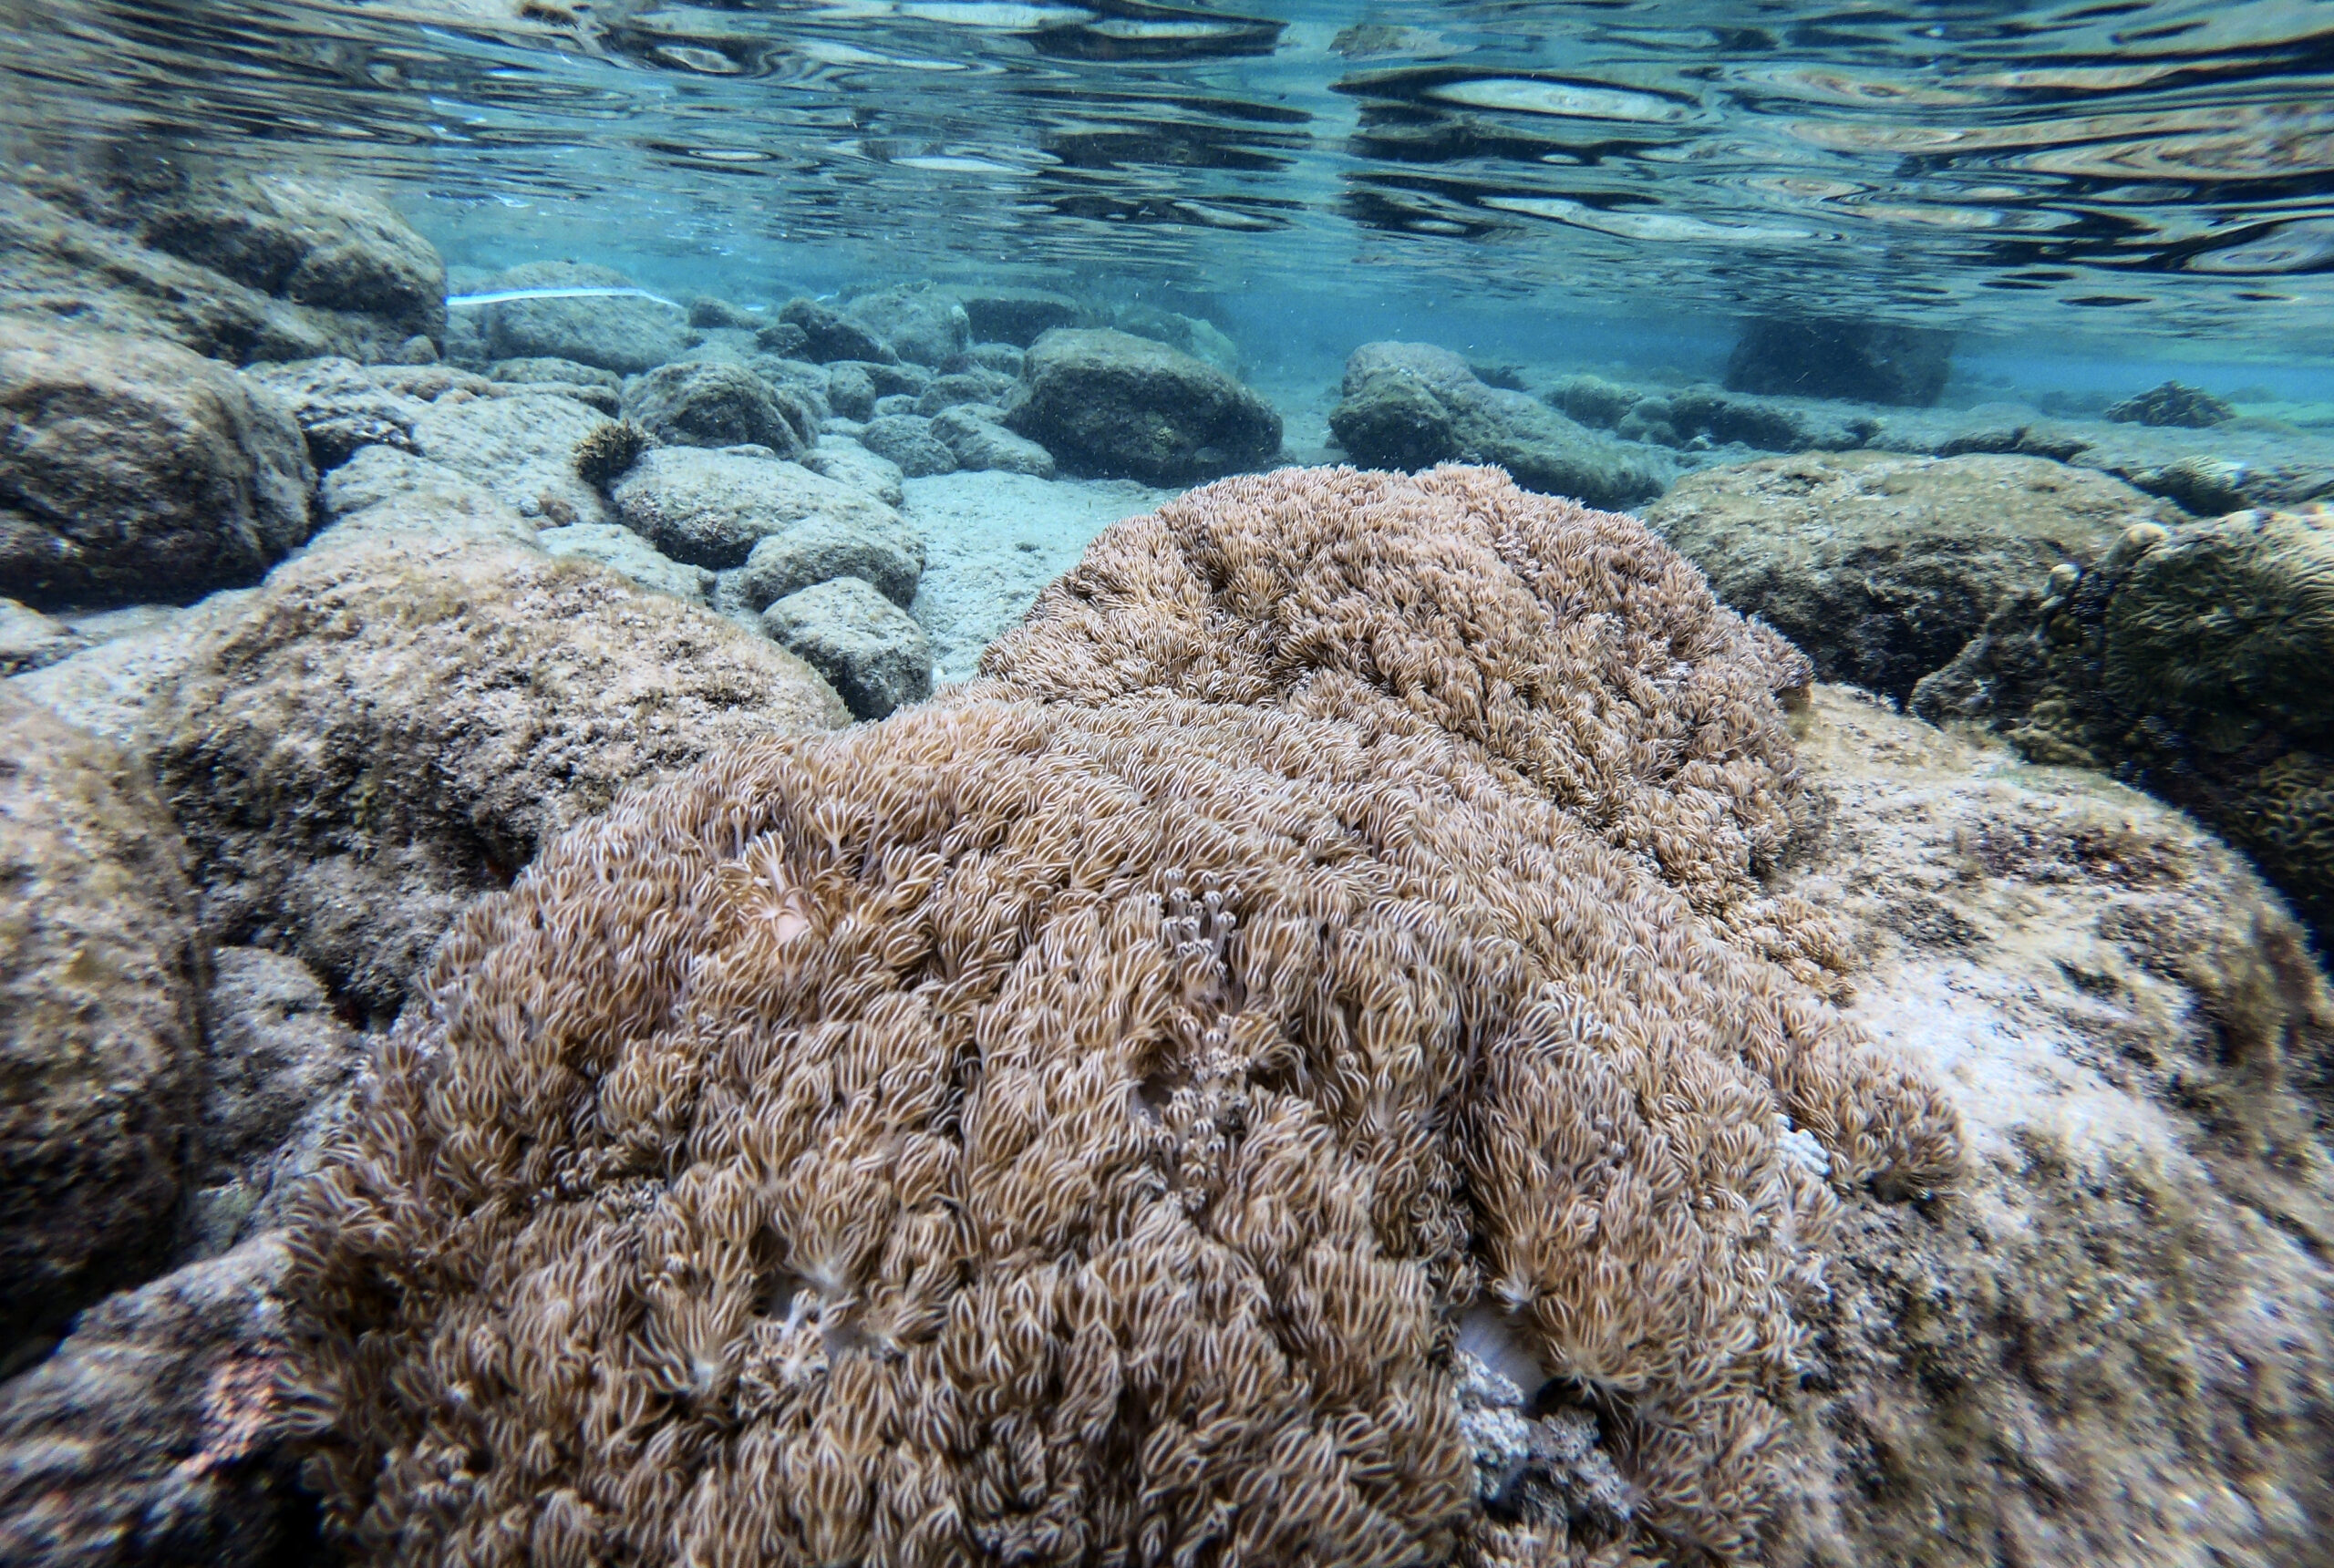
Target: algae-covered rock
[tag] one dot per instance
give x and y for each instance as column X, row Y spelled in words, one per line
column 1873, row 361
column 711, row 507
column 923, row 325
column 1409, row 406
column 2193, row 661
column 2173, row 403
column 1111, row 405
column 871, row 651
column 1882, row 566
column 521, row 448
column 625, row 333
column 387, row 730
column 134, row 470
column 100, row 976
column 697, row 404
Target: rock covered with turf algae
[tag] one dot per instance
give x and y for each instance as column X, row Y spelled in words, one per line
column 1068, row 1115
column 1407, row 405
column 712, row 508
column 697, row 403
column 625, row 333
column 871, row 651
column 2128, row 1298
column 132, row 469
column 1871, row 362
column 1109, row 405
column 2173, row 403
column 1881, row 566
column 100, row 977
column 387, row 730
column 2192, row 661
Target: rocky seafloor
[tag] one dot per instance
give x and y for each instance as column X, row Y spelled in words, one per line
column 326, row 611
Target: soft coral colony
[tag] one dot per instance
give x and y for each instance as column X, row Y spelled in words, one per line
column 1067, row 1121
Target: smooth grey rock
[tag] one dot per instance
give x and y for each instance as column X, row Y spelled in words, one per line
column 907, row 439
column 709, row 508
column 870, row 650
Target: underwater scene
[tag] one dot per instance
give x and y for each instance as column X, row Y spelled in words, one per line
column 1166, row 784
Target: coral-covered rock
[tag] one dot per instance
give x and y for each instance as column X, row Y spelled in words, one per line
column 1880, row 566
column 871, row 651
column 156, row 1432
column 100, row 976
column 1409, row 406
column 2192, row 661
column 625, row 333
column 1078, row 1108
column 1112, row 406
column 2132, row 1279
column 1872, row 362
column 697, row 404
column 134, row 470
column 384, row 731
column 710, row 508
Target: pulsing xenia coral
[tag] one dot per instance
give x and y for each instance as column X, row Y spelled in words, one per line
column 1065, row 1122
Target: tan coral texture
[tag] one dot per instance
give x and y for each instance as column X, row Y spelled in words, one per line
column 1064, row 1122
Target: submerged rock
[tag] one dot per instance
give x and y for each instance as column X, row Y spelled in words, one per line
column 621, row 550
column 1881, row 566
column 827, row 334
column 626, row 335
column 29, row 640
column 343, row 406
column 1111, row 405
column 156, row 1433
column 1873, row 361
column 1409, row 406
column 134, row 470
column 870, row 650
column 520, row 448
column 2173, row 403
column 100, row 974
column 924, row 325
column 884, row 551
column 697, row 404
column 710, row 508
column 846, row 461
column 908, row 441
column 1016, row 316
column 387, row 730
column 980, row 443
column 2192, row 661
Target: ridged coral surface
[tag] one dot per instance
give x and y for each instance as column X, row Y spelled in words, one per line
column 1064, row 1122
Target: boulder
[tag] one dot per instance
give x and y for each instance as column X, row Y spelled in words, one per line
column 384, row 731
column 1880, row 567
column 980, row 443
column 1409, row 406
column 844, row 461
column 870, row 650
column 2173, row 403
column 100, row 984
column 851, row 391
column 133, row 469
column 385, row 490
column 827, row 334
column 696, row 404
column 621, row 550
column 971, row 385
column 2192, row 661
column 879, row 548
column 30, row 640
column 1871, row 362
column 2130, row 1278
column 782, row 337
column 548, row 371
column 709, row 508
column 520, row 449
column 1003, row 358
column 924, row 325
column 156, row 1434
column 706, row 311
column 1107, row 405
column 894, row 405
column 237, row 268
column 279, row 1068
column 1017, row 316
column 342, row 406
column 626, row 335
column 907, row 440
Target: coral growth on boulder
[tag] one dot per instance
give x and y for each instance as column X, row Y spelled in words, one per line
column 1067, row 1121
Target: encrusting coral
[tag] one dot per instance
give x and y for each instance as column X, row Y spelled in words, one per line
column 1066, row 1121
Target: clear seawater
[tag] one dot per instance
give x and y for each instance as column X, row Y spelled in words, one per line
column 2095, row 195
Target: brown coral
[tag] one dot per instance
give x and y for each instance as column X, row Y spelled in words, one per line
column 1063, row 1122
